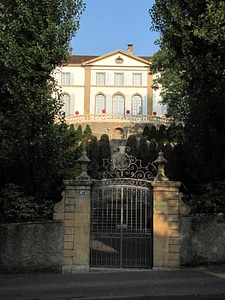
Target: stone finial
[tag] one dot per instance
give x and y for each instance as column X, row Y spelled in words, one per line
column 84, row 161
column 161, row 161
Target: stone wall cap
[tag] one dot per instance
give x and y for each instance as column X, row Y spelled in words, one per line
column 166, row 183
column 75, row 182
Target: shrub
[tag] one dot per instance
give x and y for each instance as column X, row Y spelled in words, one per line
column 16, row 206
column 210, row 198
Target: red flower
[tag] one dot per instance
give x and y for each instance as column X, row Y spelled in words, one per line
column 154, row 113
column 127, row 111
column 76, row 112
column 103, row 111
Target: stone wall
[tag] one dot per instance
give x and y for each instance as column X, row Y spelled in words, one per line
column 116, row 129
column 31, row 247
column 202, row 239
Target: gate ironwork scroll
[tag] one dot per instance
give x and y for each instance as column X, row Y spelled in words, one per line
column 121, row 212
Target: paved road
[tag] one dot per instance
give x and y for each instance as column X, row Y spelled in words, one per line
column 195, row 283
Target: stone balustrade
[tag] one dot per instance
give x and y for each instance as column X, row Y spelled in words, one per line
column 117, row 117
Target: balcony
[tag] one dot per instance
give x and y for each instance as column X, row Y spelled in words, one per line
column 73, row 119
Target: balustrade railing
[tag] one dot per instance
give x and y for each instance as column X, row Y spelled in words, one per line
column 70, row 119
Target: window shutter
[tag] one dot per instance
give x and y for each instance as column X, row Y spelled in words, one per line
column 72, row 104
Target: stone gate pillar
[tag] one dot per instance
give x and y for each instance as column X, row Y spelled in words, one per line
column 166, row 253
column 166, row 209
column 75, row 210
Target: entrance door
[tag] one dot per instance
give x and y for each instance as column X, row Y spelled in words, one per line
column 121, row 224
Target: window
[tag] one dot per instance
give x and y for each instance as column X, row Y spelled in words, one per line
column 99, row 103
column 118, row 104
column 66, row 105
column 119, row 60
column 137, row 78
column 100, row 78
column 119, row 79
column 136, row 105
column 65, row 78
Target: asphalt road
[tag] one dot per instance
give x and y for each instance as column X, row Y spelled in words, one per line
column 195, row 283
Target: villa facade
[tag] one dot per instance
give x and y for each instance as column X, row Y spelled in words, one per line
column 114, row 88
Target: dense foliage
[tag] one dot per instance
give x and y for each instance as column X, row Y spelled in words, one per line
column 192, row 63
column 34, row 40
column 202, row 197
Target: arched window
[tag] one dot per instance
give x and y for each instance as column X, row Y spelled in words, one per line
column 118, row 104
column 99, row 103
column 137, row 105
column 66, row 104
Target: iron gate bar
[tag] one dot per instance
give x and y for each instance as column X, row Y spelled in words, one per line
column 121, row 223
column 121, row 213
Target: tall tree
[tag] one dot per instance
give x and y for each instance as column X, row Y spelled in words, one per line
column 93, row 151
column 153, row 132
column 192, row 64
column 146, row 132
column 88, row 132
column 132, row 144
column 143, row 153
column 152, row 150
column 104, row 148
column 79, row 133
column 34, row 40
column 162, row 134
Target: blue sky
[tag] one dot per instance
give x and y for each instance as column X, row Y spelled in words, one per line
column 108, row 25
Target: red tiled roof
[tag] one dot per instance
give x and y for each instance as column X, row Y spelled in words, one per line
column 79, row 59
column 148, row 58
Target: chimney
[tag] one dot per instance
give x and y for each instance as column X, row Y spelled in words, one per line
column 130, row 49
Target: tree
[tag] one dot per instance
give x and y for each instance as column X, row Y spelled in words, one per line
column 162, row 134
column 146, row 132
column 143, row 153
column 175, row 133
column 173, row 85
column 79, row 133
column 104, row 148
column 132, row 144
column 192, row 64
column 34, row 40
column 152, row 150
column 93, row 150
column 88, row 132
column 71, row 137
column 153, row 133
column 71, row 153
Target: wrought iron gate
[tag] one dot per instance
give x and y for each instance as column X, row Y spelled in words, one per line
column 121, row 213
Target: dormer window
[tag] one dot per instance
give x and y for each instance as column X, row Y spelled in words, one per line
column 119, row 60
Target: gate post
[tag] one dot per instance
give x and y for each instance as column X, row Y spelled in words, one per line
column 166, row 209
column 75, row 210
column 166, row 206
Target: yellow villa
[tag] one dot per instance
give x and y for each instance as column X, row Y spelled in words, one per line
column 112, row 93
